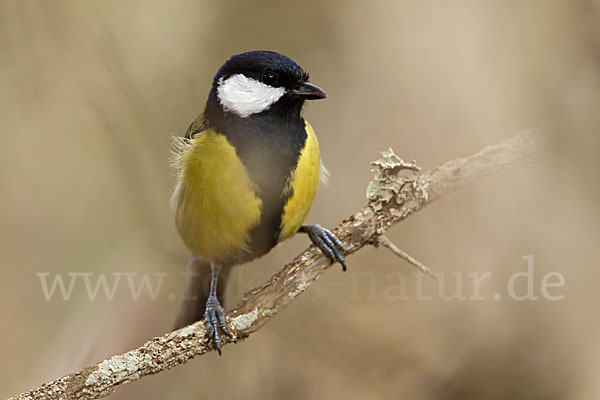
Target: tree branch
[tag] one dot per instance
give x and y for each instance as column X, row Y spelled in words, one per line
column 384, row 241
column 396, row 193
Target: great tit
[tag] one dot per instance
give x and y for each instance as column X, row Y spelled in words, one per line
column 247, row 173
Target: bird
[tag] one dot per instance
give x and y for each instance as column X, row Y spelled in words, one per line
column 247, row 169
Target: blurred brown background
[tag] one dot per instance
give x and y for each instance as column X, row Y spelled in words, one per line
column 91, row 91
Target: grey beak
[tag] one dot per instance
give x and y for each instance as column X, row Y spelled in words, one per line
column 308, row 91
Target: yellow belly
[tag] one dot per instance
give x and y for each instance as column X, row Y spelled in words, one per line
column 215, row 202
column 303, row 185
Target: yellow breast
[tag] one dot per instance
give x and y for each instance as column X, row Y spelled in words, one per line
column 215, row 202
column 303, row 186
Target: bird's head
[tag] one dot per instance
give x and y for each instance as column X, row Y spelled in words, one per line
column 260, row 82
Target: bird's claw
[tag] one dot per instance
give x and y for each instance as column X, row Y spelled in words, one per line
column 214, row 318
column 327, row 242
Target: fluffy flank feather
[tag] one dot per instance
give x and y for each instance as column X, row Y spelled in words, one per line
column 324, row 175
column 179, row 145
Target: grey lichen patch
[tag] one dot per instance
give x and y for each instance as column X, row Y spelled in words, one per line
column 268, row 312
column 419, row 191
column 362, row 216
column 299, row 289
column 304, row 258
column 244, row 321
column 187, row 331
column 121, row 368
column 422, row 189
column 391, row 174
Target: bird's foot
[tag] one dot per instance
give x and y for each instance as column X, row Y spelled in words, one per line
column 214, row 318
column 327, row 242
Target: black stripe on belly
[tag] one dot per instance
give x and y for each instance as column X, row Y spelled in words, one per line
column 269, row 145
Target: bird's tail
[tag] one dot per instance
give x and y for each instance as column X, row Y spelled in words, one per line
column 197, row 291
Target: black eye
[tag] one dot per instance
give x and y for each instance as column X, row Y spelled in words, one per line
column 269, row 77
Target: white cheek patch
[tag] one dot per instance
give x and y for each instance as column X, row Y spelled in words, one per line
column 246, row 96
